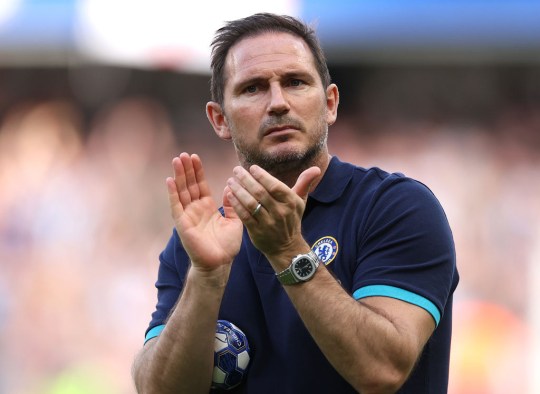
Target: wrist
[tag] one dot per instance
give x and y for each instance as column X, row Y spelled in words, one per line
column 301, row 269
column 281, row 260
column 216, row 278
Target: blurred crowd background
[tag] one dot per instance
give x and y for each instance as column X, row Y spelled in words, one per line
column 85, row 150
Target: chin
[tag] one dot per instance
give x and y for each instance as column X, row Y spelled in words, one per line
column 285, row 156
column 285, row 160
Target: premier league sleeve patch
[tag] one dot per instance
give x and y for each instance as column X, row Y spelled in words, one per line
column 326, row 249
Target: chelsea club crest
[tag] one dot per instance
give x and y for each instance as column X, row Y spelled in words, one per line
column 326, row 249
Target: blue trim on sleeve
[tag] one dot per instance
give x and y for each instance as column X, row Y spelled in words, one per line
column 154, row 332
column 400, row 294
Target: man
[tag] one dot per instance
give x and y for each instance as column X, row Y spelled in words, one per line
column 369, row 311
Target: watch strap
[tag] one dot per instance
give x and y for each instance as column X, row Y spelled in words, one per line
column 286, row 277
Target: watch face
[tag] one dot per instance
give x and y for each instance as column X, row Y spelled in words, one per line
column 303, row 268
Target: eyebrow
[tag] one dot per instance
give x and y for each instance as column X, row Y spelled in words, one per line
column 286, row 76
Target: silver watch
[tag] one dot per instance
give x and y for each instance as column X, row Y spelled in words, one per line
column 302, row 269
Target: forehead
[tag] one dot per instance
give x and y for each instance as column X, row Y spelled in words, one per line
column 268, row 54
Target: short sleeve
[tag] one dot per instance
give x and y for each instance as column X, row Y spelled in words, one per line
column 173, row 266
column 406, row 247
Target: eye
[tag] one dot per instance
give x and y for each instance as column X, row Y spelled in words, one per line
column 250, row 88
column 296, row 82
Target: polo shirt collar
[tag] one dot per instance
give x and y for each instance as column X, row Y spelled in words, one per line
column 334, row 181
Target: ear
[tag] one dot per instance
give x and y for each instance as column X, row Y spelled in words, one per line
column 332, row 103
column 217, row 119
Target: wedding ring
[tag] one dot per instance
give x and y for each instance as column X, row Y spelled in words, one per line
column 257, row 209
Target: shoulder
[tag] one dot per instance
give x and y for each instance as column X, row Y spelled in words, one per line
column 379, row 185
column 382, row 198
column 370, row 178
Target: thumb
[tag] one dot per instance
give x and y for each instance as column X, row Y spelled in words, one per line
column 303, row 183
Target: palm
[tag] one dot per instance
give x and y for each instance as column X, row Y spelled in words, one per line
column 210, row 239
column 207, row 236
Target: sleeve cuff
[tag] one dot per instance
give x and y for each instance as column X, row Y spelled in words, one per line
column 400, row 294
column 154, row 332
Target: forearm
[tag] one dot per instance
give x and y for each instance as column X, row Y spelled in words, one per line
column 180, row 359
column 366, row 347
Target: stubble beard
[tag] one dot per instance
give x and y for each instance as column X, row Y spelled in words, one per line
column 287, row 163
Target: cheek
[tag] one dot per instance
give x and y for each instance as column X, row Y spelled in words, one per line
column 315, row 114
column 244, row 120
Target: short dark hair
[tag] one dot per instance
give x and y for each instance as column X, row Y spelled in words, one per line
column 253, row 25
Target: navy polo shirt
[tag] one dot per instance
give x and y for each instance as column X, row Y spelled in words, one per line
column 381, row 234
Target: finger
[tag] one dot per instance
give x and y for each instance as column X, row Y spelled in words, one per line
column 278, row 190
column 180, row 181
column 302, row 187
column 242, row 212
column 204, row 188
column 191, row 179
column 267, row 186
column 229, row 211
column 244, row 202
column 174, row 200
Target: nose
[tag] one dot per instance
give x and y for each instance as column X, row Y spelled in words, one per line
column 278, row 104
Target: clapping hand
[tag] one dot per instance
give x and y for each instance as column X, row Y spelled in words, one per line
column 210, row 239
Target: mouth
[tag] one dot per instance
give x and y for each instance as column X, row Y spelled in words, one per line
column 280, row 130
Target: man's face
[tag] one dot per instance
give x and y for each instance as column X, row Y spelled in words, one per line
column 274, row 103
